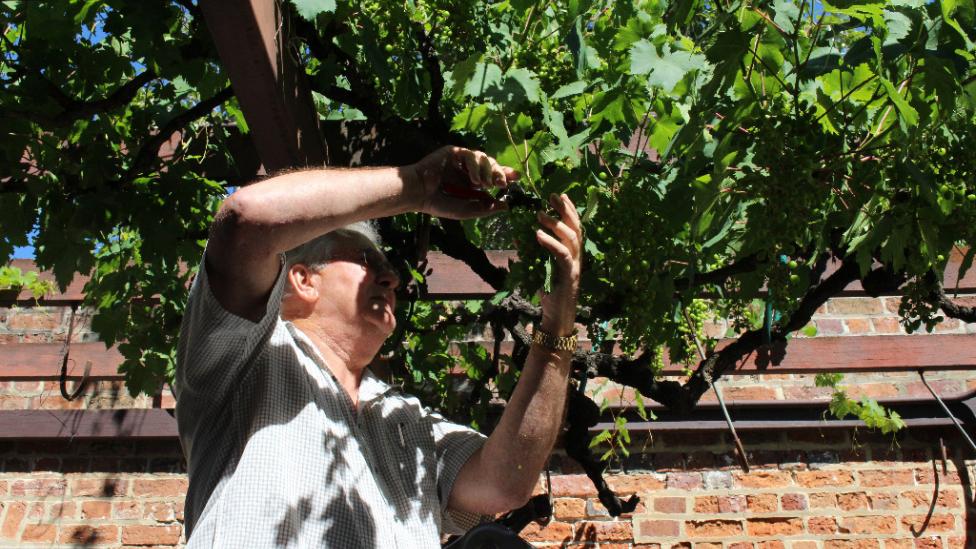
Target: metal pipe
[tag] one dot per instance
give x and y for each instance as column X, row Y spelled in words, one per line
column 955, row 421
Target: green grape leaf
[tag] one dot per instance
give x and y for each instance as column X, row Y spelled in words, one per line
column 663, row 70
column 310, row 9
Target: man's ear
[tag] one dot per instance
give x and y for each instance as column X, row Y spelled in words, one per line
column 303, row 283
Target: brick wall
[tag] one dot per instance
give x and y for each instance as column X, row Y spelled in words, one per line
column 807, row 489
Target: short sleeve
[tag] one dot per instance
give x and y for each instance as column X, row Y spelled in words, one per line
column 215, row 344
column 454, row 444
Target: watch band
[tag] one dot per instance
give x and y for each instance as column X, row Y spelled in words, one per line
column 549, row 341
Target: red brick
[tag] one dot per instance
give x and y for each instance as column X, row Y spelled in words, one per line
column 774, row 526
column 878, row 524
column 684, row 481
column 84, row 534
column 855, row 306
column 731, row 504
column 817, row 479
column 821, row 525
column 709, row 545
column 942, row 387
column 762, row 503
column 669, row 505
column 928, row 543
column 875, row 479
column 883, row 502
column 632, row 484
column 887, row 325
column 852, row 501
column 947, row 325
column 918, row 498
column 707, row 504
column 39, row 533
column 713, row 528
column 749, row 393
column 763, row 479
column 770, row 545
column 565, row 508
column 27, row 320
column 899, row 544
column 96, row 509
column 852, row 544
column 793, row 502
column 858, row 325
column 741, row 545
column 829, row 326
column 99, row 487
column 823, row 501
column 956, row 543
column 170, row 487
column 35, row 511
column 658, row 528
column 873, row 390
column 935, row 523
column 927, row 476
column 62, row 510
column 151, row 535
column 605, row 531
column 554, row 531
column 16, row 511
column 38, row 487
column 804, row 545
column 126, row 510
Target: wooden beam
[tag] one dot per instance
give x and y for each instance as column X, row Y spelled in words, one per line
column 449, row 278
column 42, row 361
column 852, row 354
column 148, row 423
column 252, row 40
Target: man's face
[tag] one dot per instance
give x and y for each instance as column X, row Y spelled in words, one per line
column 357, row 285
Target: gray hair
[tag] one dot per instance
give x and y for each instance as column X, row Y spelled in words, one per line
column 316, row 252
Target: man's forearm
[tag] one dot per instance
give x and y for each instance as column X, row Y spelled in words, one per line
column 520, row 444
column 292, row 208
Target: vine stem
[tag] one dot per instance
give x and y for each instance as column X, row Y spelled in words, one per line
column 740, row 450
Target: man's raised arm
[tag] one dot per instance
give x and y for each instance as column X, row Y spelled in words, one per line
column 500, row 476
column 259, row 222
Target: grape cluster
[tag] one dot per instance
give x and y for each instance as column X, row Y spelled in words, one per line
column 788, row 176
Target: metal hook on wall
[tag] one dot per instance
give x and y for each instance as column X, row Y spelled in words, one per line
column 65, row 358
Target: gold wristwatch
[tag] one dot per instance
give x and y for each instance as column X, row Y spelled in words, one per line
column 551, row 342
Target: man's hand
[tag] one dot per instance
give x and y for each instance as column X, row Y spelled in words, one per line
column 565, row 244
column 452, row 182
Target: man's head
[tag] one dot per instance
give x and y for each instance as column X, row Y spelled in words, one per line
column 342, row 284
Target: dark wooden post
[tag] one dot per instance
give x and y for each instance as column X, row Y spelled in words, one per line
column 252, row 40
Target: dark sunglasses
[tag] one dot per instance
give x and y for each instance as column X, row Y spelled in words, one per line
column 370, row 258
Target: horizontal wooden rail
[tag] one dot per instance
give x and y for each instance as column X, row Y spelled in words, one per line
column 87, row 424
column 158, row 423
column 42, row 361
column 450, row 278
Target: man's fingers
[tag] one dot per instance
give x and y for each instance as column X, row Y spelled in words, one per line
column 568, row 236
column 555, row 247
column 566, row 210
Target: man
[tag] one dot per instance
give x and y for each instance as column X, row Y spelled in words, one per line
column 290, row 440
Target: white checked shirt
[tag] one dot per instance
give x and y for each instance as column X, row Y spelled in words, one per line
column 277, row 454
